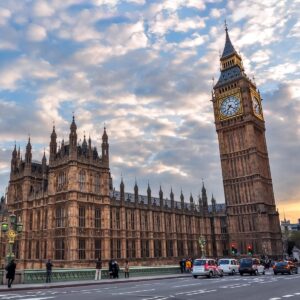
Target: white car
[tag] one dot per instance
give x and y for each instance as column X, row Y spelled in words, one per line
column 229, row 266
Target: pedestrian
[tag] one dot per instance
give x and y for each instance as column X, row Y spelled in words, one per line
column 11, row 271
column 115, row 269
column 110, row 269
column 49, row 266
column 182, row 265
column 126, row 269
column 188, row 265
column 98, row 269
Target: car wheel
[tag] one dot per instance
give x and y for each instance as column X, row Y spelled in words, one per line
column 256, row 272
column 210, row 275
column 221, row 273
column 290, row 272
column 264, row 273
column 241, row 273
column 195, row 276
column 233, row 272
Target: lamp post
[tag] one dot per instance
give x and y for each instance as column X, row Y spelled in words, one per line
column 202, row 244
column 11, row 229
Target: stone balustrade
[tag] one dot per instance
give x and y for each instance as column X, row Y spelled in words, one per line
column 64, row 275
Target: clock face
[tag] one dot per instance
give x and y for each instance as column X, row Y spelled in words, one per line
column 256, row 106
column 230, row 106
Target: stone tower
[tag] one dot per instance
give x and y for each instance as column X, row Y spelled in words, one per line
column 252, row 217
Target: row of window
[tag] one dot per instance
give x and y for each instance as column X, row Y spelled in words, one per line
column 62, row 181
column 115, row 220
column 38, row 249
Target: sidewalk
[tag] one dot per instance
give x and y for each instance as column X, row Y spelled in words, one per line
column 39, row 286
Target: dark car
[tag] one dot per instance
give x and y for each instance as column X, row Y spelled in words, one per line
column 251, row 266
column 285, row 267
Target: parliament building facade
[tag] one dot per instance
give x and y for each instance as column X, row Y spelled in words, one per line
column 72, row 213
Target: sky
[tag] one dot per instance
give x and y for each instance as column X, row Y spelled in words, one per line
column 145, row 69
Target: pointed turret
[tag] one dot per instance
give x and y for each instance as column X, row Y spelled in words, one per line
column 14, row 159
column 182, row 200
column 84, row 146
column 204, row 198
column 73, row 139
column 105, row 149
column 228, row 48
column 53, row 146
column 149, row 195
column 172, row 198
column 122, row 190
column 231, row 63
column 28, row 154
column 213, row 204
column 136, row 192
column 44, row 163
column 161, row 197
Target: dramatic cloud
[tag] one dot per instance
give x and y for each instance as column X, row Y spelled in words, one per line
column 145, row 69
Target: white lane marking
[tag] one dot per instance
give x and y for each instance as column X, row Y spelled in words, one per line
column 287, row 296
column 275, row 298
column 182, row 285
column 133, row 292
column 200, row 292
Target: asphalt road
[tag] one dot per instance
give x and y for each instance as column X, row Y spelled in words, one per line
column 263, row 287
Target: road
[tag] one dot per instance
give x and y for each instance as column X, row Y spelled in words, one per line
column 263, row 287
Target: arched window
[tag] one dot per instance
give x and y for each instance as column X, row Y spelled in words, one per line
column 82, row 180
column 97, row 183
column 61, row 181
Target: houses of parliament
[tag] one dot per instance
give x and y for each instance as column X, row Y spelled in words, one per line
column 72, row 213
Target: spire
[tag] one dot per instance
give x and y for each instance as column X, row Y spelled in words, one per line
column 104, row 136
column 161, row 197
column 172, row 195
column 122, row 190
column 149, row 194
column 191, row 199
column 73, row 126
column 53, row 134
column 28, row 155
column 14, row 153
column 44, row 159
column 105, row 148
column 228, row 49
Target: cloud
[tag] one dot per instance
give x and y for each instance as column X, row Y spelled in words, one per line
column 42, row 9
column 36, row 33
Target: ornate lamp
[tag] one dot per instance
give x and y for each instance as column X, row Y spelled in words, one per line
column 4, row 226
column 13, row 219
column 19, row 227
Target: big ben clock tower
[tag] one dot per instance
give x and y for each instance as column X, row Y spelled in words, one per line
column 253, row 222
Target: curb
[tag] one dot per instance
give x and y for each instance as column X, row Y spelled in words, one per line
column 43, row 287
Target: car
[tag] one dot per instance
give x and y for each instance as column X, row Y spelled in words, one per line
column 206, row 267
column 251, row 266
column 229, row 266
column 285, row 267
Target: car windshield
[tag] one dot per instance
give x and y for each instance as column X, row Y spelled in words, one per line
column 200, row 262
column 281, row 264
column 224, row 262
column 246, row 263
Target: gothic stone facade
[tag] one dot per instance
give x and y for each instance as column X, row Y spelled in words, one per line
column 252, row 217
column 72, row 214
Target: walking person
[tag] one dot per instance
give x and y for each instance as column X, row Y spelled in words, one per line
column 126, row 269
column 49, row 266
column 11, row 271
column 98, row 269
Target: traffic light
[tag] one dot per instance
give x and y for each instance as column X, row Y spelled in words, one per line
column 250, row 250
column 233, row 249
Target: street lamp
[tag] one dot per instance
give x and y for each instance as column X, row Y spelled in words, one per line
column 11, row 229
column 202, row 244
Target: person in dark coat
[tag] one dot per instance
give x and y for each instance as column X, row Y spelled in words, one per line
column 49, row 266
column 115, row 269
column 110, row 269
column 11, row 271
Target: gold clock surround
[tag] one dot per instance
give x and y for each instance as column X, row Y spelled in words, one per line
column 236, row 94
